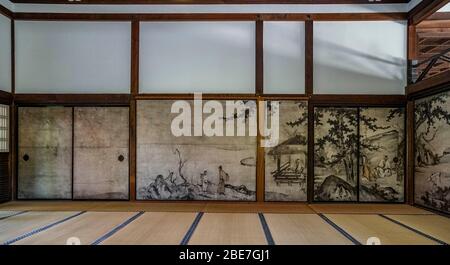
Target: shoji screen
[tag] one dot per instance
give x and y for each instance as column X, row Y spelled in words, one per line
column 364, row 57
column 284, row 57
column 5, row 53
column 72, row 57
column 209, row 57
column 4, row 154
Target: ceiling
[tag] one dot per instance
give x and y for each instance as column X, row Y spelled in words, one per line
column 433, row 37
column 197, row 2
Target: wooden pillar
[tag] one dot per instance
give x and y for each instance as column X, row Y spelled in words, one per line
column 409, row 176
column 309, row 54
column 134, row 93
column 259, row 90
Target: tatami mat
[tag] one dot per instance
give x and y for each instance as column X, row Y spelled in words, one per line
column 362, row 208
column 154, row 228
column 433, row 225
column 87, row 228
column 18, row 225
column 6, row 214
column 364, row 226
column 303, row 229
column 229, row 229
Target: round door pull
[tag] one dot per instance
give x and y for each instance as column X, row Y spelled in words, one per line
column 121, row 158
column 26, row 157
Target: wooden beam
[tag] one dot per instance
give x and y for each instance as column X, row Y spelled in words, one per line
column 260, row 161
column 133, row 152
column 358, row 100
column 190, row 96
column 197, row 2
column 428, row 84
column 412, row 42
column 13, row 57
column 6, row 98
column 310, row 154
column 6, row 12
column 72, row 99
column 309, row 60
column 425, row 9
column 439, row 16
column 259, row 58
column 135, row 33
column 409, row 179
column 210, row 16
column 429, row 24
column 135, row 57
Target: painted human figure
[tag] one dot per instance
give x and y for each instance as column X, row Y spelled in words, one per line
column 366, row 169
column 297, row 165
column 384, row 167
column 223, row 177
column 204, row 180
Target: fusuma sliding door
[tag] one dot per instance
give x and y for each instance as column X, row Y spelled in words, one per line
column 382, row 154
column 286, row 162
column 101, row 144
column 432, row 152
column 45, row 153
column 359, row 154
column 171, row 167
column 335, row 154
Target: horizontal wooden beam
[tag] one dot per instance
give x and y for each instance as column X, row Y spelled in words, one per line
column 429, row 84
column 439, row 16
column 6, row 12
column 198, row 2
column 358, row 100
column 190, row 96
column 425, row 9
column 210, row 16
column 72, row 99
column 429, row 24
column 6, row 98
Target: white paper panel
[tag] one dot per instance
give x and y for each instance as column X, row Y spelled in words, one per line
column 360, row 57
column 72, row 57
column 186, row 57
column 5, row 53
column 284, row 57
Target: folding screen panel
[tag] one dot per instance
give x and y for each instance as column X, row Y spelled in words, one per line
column 432, row 152
column 335, row 154
column 101, row 143
column 382, row 154
column 173, row 167
column 207, row 57
column 45, row 153
column 286, row 163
